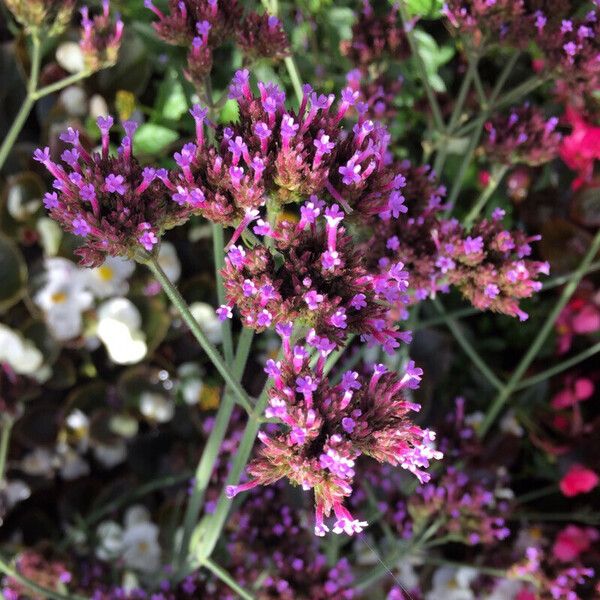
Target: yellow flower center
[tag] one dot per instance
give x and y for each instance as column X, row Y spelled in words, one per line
column 58, row 297
column 105, row 273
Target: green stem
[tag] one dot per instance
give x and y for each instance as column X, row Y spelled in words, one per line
column 535, row 494
column 7, row 423
column 219, row 258
column 211, row 450
column 464, row 165
column 457, row 314
column 292, row 69
column 414, row 47
column 214, row 355
column 562, row 279
column 21, row 118
column 206, row 539
column 541, row 337
column 224, row 576
column 432, row 560
column 59, row 85
column 495, row 178
column 559, row 368
column 467, row 347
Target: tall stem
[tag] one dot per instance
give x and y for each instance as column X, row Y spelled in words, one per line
column 541, row 337
column 21, row 118
column 7, row 423
column 224, row 576
column 467, row 347
column 495, row 178
column 211, row 451
column 196, row 330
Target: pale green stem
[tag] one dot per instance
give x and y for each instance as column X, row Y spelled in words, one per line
column 562, row 279
column 208, row 538
column 219, row 258
column 224, row 576
column 7, row 423
column 536, row 494
column 457, row 314
column 541, row 337
column 495, row 178
column 292, row 69
column 17, row 125
column 559, row 368
column 467, row 347
column 59, row 85
column 180, row 304
column 211, row 450
column 414, row 47
column 501, row 573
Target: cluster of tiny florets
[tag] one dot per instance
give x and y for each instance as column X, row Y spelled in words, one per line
column 314, row 274
column 116, row 205
column 282, row 156
column 100, row 38
column 53, row 16
column 523, row 135
column 488, row 264
column 326, row 428
column 202, row 26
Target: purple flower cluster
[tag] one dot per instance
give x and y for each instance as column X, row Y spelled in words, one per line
column 100, row 38
column 286, row 156
column 313, row 273
column 487, row 263
column 326, row 428
column 204, row 25
column 522, row 136
column 116, row 205
column 376, row 33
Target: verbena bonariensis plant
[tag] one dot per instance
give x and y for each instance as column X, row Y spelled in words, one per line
column 339, row 246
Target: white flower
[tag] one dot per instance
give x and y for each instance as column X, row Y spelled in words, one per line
column 208, row 320
column 141, row 550
column 110, row 456
column 110, row 278
column 38, row 462
column 156, row 407
column 119, row 323
column 506, row 589
column 169, row 261
column 16, row 491
column 63, row 298
column 110, row 540
column 450, row 583
column 22, row 355
column 72, row 465
column 509, row 424
column 190, row 383
column 74, row 100
column 70, row 57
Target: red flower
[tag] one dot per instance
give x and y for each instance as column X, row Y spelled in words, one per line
column 580, row 389
column 572, row 541
column 580, row 149
column 579, row 480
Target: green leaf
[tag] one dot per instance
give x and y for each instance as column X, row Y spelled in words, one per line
column 434, row 57
column 230, row 112
column 342, row 19
column 171, row 103
column 430, row 9
column 151, row 138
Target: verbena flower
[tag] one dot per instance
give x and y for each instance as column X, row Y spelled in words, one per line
column 118, row 207
column 376, row 33
column 314, row 274
column 282, row 156
column 523, row 135
column 202, row 26
column 488, row 264
column 326, row 428
column 100, row 38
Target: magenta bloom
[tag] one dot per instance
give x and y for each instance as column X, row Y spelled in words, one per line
column 314, row 274
column 100, row 38
column 119, row 207
column 326, row 428
column 287, row 156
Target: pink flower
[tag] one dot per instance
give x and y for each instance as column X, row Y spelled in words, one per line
column 582, row 389
column 579, row 480
column 580, row 149
column 572, row 541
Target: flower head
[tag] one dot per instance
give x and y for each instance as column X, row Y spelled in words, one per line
column 100, row 38
column 111, row 201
